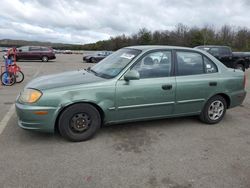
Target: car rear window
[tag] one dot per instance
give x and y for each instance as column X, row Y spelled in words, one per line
column 210, row 67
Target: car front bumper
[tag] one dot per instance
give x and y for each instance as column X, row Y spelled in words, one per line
column 34, row 117
column 52, row 57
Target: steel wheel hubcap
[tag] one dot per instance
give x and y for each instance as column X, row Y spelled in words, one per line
column 80, row 122
column 215, row 110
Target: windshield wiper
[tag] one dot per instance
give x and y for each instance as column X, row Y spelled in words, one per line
column 91, row 70
column 98, row 74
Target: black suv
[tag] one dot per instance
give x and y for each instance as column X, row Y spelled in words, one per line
column 236, row 60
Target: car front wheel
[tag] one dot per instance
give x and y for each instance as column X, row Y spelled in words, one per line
column 79, row 122
column 92, row 60
column 214, row 110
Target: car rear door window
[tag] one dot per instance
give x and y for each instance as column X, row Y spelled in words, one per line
column 154, row 65
column 224, row 51
column 44, row 49
column 189, row 63
column 214, row 51
column 35, row 49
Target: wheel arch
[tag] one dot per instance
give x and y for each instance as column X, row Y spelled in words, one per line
column 225, row 96
column 61, row 110
column 241, row 61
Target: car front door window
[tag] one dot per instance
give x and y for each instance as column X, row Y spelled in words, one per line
column 24, row 49
column 154, row 65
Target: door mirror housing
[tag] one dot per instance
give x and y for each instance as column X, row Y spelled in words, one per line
column 132, row 75
column 20, row 50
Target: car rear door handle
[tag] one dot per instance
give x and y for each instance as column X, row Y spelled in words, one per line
column 166, row 87
column 212, row 83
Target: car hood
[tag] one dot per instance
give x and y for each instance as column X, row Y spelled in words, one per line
column 87, row 56
column 63, row 80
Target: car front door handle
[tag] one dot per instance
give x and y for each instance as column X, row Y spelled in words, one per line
column 166, row 87
column 212, row 83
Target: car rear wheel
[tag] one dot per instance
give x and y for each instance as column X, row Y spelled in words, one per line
column 45, row 59
column 214, row 110
column 79, row 122
column 240, row 67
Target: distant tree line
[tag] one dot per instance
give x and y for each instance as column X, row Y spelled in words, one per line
column 182, row 35
column 236, row 37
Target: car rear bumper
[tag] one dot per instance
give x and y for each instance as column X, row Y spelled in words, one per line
column 29, row 117
column 237, row 98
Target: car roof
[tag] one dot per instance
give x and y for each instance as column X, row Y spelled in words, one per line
column 210, row 46
column 145, row 48
column 35, row 46
column 155, row 47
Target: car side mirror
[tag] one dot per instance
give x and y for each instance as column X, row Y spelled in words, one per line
column 132, row 75
column 20, row 50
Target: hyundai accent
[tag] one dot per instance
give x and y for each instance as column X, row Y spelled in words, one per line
column 133, row 84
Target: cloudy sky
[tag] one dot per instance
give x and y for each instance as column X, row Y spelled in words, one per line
column 84, row 21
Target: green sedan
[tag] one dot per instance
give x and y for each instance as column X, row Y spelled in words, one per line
column 133, row 84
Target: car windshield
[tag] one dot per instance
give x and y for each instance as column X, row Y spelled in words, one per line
column 113, row 64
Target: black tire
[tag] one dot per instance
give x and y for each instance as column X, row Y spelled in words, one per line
column 69, row 122
column 91, row 60
column 10, row 76
column 208, row 110
column 19, row 76
column 45, row 59
column 240, row 67
column 94, row 60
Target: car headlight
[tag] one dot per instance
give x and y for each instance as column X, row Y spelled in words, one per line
column 30, row 95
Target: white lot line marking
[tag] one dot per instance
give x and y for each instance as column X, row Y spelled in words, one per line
column 38, row 71
column 11, row 111
column 6, row 118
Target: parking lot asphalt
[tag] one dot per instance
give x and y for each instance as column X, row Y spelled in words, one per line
column 174, row 153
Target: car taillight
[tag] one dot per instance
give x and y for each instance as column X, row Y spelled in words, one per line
column 245, row 81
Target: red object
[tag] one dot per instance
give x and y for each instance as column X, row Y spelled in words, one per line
column 13, row 67
column 11, row 70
